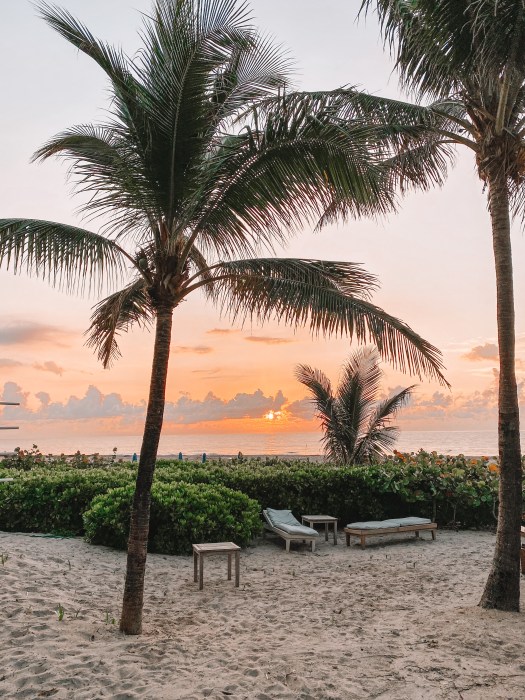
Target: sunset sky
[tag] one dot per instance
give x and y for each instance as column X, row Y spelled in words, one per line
column 433, row 258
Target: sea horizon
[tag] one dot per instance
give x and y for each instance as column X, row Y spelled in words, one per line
column 288, row 445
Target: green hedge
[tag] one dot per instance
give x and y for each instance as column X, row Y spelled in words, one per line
column 53, row 497
column 181, row 514
column 447, row 489
column 54, row 500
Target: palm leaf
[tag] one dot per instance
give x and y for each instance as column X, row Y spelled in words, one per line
column 380, row 436
column 116, row 315
column 286, row 167
column 67, row 257
column 105, row 163
column 357, row 392
column 326, row 408
column 324, row 296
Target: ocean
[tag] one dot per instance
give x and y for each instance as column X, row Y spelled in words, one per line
column 469, row 442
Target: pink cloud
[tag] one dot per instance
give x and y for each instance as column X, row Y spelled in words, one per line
column 49, row 366
column 193, row 349
column 267, row 340
column 489, row 351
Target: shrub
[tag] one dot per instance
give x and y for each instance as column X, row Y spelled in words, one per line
column 52, row 497
column 447, row 489
column 181, row 514
column 53, row 501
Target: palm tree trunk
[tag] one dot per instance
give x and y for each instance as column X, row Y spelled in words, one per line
column 131, row 618
column 502, row 590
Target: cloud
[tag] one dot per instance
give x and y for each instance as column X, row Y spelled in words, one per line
column 267, row 340
column 489, row 351
column 49, row 366
column 222, row 331
column 437, row 400
column 24, row 333
column 185, row 411
column 193, row 349
column 6, row 362
column 12, row 392
column 212, row 408
column 303, row 408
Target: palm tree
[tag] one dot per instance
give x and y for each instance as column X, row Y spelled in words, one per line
column 193, row 182
column 356, row 424
column 466, row 60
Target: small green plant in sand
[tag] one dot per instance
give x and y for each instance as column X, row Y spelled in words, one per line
column 59, row 612
column 110, row 620
column 4, row 556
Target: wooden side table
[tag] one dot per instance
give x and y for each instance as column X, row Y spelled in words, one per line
column 201, row 550
column 325, row 520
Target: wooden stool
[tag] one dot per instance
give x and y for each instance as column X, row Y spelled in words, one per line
column 200, row 550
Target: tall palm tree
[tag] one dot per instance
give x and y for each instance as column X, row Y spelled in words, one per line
column 357, row 426
column 466, row 60
column 194, row 182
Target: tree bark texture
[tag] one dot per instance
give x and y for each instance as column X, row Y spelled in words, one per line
column 502, row 590
column 131, row 618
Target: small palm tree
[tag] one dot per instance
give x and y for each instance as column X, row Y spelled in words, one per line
column 466, row 60
column 356, row 425
column 194, row 180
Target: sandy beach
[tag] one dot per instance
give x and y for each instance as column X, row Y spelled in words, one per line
column 396, row 621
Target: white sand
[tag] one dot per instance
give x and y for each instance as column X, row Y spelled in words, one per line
column 395, row 621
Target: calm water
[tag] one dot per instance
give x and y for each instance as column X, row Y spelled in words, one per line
column 470, row 442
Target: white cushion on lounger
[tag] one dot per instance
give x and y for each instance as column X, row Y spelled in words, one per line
column 414, row 521
column 281, row 517
column 297, row 530
column 393, row 522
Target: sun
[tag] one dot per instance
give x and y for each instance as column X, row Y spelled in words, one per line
column 272, row 415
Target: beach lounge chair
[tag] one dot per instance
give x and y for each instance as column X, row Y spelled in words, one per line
column 284, row 524
column 373, row 528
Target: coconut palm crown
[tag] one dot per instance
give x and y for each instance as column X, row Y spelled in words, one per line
column 194, row 184
column 465, row 60
column 356, row 424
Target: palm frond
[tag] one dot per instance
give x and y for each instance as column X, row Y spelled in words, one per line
column 107, row 166
column 327, row 411
column 67, row 257
column 185, row 45
column 253, row 72
column 357, row 390
column 285, row 168
column 375, row 445
column 321, row 295
column 115, row 315
column 112, row 61
column 431, row 41
column 380, row 436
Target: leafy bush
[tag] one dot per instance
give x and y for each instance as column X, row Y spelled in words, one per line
column 53, row 501
column 52, row 497
column 181, row 514
column 447, row 489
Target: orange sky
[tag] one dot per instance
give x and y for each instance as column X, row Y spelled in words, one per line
column 433, row 259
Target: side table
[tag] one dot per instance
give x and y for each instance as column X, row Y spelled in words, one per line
column 325, row 520
column 201, row 550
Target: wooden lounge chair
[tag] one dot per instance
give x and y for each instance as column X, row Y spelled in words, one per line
column 373, row 528
column 284, row 524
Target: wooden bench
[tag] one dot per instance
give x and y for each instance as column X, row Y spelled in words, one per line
column 375, row 532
